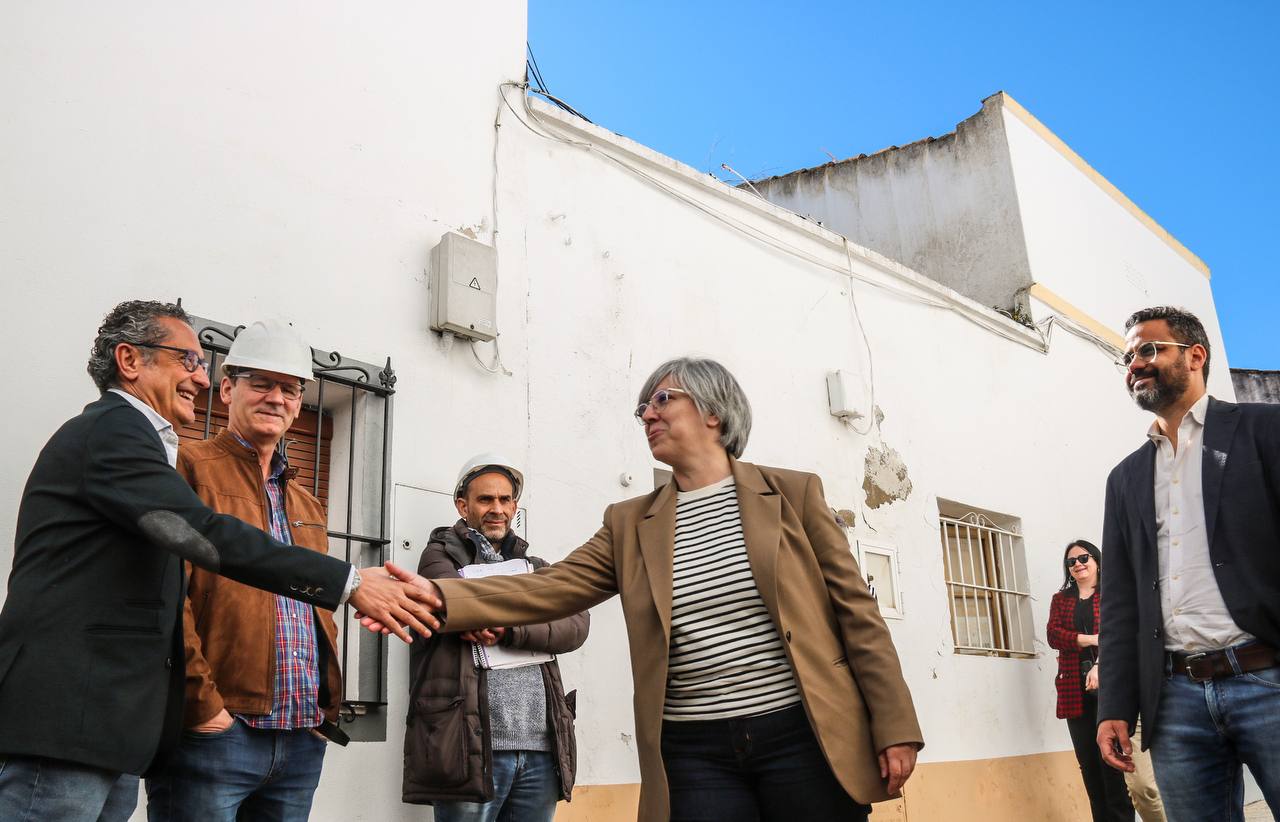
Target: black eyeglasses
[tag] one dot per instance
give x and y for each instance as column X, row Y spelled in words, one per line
column 263, row 385
column 191, row 360
column 658, row 401
column 1146, row 352
column 1083, row 559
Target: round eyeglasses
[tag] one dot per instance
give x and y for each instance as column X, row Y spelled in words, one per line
column 658, row 401
column 191, row 360
column 1146, row 352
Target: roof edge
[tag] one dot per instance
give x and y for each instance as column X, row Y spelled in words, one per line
column 599, row 138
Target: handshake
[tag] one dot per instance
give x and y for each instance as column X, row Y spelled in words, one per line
column 390, row 600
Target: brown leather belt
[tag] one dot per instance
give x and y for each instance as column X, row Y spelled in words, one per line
column 1208, row 665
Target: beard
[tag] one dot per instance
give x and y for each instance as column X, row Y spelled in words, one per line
column 493, row 531
column 1167, row 386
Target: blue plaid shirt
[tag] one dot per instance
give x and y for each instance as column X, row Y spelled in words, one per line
column 295, row 691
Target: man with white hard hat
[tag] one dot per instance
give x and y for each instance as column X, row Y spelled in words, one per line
column 263, row 677
column 522, row 760
column 92, row 669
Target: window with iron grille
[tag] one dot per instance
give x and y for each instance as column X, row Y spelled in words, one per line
column 985, row 564
column 340, row 445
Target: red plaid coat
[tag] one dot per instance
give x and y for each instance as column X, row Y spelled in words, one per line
column 1062, row 635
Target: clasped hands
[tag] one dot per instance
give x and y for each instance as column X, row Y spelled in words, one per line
column 390, row 600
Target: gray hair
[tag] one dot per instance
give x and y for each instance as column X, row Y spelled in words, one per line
column 1184, row 327
column 136, row 322
column 713, row 391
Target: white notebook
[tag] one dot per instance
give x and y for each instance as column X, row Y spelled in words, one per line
column 498, row 657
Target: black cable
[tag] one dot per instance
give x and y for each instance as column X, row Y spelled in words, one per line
column 537, row 70
column 560, row 104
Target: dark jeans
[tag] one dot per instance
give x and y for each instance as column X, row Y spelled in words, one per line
column 240, row 773
column 767, row 768
column 33, row 789
column 1108, row 796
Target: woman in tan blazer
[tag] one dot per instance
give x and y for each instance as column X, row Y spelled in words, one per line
column 766, row 685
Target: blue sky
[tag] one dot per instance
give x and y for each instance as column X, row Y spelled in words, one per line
column 1178, row 104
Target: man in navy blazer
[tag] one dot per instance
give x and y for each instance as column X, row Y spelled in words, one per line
column 1191, row 597
column 91, row 641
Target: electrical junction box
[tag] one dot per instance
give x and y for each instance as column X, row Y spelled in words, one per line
column 845, row 395
column 464, row 288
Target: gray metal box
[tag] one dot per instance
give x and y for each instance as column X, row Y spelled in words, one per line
column 464, row 287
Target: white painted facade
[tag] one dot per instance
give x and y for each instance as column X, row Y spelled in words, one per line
column 301, row 161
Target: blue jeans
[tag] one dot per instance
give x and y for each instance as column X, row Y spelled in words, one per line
column 766, row 767
column 36, row 790
column 526, row 787
column 1205, row 731
column 239, row 773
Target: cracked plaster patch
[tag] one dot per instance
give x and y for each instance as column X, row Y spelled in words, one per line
column 886, row 477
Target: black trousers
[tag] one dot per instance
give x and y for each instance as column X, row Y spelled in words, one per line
column 765, row 768
column 1108, row 796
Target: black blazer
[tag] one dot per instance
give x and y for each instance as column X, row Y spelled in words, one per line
column 1241, row 479
column 91, row 657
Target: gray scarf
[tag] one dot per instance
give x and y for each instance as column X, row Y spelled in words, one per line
column 485, row 551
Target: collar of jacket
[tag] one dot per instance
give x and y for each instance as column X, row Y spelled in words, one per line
column 460, row 549
column 229, row 443
column 760, row 506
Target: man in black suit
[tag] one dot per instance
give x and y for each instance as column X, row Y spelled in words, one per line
column 1191, row 596
column 91, row 641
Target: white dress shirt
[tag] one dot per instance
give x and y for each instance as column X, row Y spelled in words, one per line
column 163, row 427
column 1195, row 615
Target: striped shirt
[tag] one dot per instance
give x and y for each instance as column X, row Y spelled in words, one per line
column 295, row 689
column 726, row 658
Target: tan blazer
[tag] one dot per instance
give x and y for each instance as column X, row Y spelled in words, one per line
column 844, row 661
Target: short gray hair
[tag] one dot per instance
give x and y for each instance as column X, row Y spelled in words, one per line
column 136, row 322
column 713, row 391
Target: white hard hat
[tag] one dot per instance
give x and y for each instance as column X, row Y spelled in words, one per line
column 271, row 346
column 477, row 465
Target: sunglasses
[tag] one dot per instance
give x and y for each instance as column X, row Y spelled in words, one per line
column 658, row 401
column 1083, row 559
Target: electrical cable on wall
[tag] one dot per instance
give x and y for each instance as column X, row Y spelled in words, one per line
column 495, row 367
column 866, row 343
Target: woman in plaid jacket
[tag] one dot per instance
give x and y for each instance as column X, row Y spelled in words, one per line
column 1073, row 631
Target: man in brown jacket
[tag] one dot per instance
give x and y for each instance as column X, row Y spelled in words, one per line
column 263, row 679
column 499, row 682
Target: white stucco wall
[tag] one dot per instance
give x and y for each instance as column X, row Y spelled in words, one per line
column 1095, row 252
column 300, row 161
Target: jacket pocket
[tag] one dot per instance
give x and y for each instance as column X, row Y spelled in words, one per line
column 435, row 742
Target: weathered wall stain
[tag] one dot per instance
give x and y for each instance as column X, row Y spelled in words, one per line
column 886, row 477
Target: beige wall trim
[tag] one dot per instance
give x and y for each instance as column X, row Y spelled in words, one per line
column 1045, row 787
column 601, row 803
column 1116, row 194
column 1069, row 311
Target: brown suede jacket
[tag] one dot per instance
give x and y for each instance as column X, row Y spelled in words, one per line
column 229, row 628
